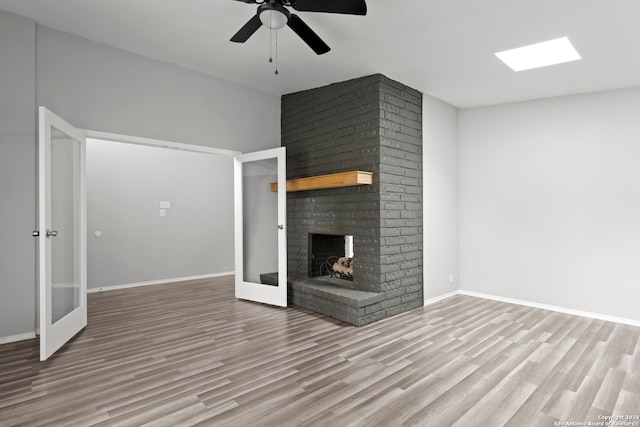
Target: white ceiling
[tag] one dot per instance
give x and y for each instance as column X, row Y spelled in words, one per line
column 444, row 48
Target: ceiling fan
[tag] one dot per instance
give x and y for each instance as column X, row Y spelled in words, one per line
column 274, row 15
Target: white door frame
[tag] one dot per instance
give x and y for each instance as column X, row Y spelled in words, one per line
column 268, row 294
column 159, row 143
column 54, row 335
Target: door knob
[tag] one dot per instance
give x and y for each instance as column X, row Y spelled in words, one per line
column 52, row 233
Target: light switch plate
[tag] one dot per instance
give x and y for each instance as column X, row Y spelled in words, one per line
column 163, row 212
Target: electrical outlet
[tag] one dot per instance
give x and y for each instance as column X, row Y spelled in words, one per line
column 450, row 277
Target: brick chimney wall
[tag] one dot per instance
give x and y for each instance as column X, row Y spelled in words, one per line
column 371, row 124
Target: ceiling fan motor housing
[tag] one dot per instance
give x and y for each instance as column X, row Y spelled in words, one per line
column 273, row 15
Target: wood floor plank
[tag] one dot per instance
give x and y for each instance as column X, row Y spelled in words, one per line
column 189, row 353
column 583, row 399
column 609, row 391
column 505, row 399
column 421, row 393
column 628, row 403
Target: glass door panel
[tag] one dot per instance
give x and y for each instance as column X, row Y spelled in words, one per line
column 65, row 246
column 260, row 219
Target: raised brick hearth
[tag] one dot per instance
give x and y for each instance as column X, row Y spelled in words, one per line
column 371, row 124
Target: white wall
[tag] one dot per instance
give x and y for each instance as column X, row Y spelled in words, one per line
column 17, row 175
column 440, row 198
column 125, row 185
column 550, row 201
column 97, row 87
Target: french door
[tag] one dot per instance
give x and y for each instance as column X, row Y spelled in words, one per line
column 260, row 226
column 62, row 233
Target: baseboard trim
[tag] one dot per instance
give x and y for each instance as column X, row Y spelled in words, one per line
column 441, row 297
column 158, row 282
column 16, row 338
column 599, row 316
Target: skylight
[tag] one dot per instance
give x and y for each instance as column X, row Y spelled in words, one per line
column 539, row 55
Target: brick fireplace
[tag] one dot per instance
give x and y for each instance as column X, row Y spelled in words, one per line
column 370, row 124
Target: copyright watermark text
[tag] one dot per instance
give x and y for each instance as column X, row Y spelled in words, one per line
column 604, row 421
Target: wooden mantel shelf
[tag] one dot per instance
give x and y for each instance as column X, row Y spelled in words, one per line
column 334, row 180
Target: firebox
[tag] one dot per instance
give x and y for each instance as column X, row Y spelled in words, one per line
column 331, row 255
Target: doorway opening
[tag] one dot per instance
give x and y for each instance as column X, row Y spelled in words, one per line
column 58, row 328
column 157, row 215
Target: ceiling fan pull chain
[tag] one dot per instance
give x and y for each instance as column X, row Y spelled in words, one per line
column 276, row 53
column 270, row 37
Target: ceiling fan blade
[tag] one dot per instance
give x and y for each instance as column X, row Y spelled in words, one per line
column 307, row 35
column 349, row 7
column 247, row 30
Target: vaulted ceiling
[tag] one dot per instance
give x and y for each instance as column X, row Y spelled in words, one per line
column 442, row 48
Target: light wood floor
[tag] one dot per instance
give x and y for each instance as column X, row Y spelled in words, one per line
column 185, row 354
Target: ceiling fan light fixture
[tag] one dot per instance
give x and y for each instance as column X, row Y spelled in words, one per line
column 274, row 17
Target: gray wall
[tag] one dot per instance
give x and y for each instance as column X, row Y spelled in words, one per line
column 550, row 201
column 17, row 175
column 125, row 185
column 440, row 160
column 99, row 88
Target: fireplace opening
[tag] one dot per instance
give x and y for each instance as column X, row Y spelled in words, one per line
column 331, row 255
